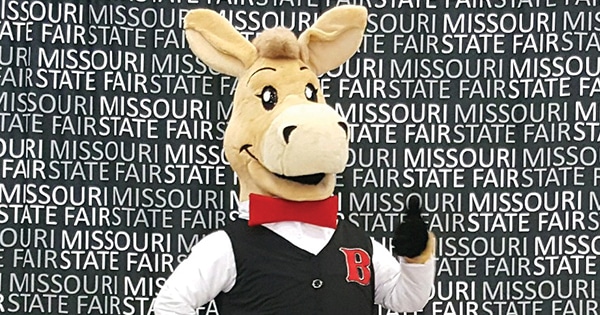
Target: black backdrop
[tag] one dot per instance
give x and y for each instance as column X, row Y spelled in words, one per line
column 111, row 166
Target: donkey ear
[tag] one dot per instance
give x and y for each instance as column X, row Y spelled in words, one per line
column 217, row 43
column 334, row 37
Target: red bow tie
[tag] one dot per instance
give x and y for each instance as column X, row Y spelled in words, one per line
column 265, row 209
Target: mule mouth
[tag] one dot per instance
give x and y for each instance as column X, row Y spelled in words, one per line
column 246, row 148
column 310, row 179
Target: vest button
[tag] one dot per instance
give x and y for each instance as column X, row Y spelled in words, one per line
column 317, row 283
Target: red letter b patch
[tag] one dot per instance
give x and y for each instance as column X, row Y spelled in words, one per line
column 358, row 264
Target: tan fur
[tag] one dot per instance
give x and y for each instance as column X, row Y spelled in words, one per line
column 277, row 43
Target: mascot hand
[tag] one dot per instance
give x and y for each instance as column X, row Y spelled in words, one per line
column 411, row 238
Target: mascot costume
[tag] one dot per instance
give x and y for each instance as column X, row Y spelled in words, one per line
column 288, row 253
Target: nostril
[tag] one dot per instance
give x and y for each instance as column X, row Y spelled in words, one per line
column 287, row 131
column 344, row 126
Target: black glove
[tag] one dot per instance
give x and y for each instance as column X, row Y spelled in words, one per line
column 410, row 237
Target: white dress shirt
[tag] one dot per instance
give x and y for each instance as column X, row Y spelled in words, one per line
column 210, row 269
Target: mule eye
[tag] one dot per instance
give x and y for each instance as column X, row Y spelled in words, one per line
column 310, row 92
column 268, row 97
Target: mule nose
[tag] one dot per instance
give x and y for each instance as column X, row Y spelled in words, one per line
column 287, row 131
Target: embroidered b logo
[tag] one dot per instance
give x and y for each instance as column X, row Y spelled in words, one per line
column 358, row 264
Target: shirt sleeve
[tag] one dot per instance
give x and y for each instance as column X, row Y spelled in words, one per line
column 400, row 286
column 208, row 270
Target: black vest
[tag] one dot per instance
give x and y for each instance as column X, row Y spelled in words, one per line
column 276, row 277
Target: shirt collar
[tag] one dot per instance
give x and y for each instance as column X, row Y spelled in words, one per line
column 244, row 210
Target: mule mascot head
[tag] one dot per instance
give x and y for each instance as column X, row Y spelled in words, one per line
column 282, row 140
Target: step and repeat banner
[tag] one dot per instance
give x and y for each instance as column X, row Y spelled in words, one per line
column 111, row 166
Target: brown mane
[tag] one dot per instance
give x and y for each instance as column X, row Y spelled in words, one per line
column 277, row 43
